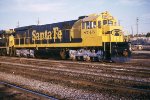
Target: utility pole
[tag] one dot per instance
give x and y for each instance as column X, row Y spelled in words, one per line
column 137, row 25
column 132, row 30
column 38, row 21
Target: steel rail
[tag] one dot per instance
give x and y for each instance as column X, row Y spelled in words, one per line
column 29, row 91
column 68, row 70
column 126, row 87
column 78, row 62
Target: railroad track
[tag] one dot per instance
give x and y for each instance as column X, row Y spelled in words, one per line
column 37, row 68
column 96, row 72
column 95, row 68
column 35, row 93
column 89, row 65
column 83, row 74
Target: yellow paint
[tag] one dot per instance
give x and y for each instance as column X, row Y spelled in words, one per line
column 89, row 29
column 11, row 41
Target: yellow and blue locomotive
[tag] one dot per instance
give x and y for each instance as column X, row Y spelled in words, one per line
column 93, row 37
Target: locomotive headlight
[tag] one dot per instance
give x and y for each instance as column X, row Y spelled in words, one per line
column 117, row 38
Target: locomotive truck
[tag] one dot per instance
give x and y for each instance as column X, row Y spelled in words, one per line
column 93, row 37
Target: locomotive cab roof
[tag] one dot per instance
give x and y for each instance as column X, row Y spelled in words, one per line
column 104, row 15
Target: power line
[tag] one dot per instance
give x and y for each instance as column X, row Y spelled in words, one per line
column 144, row 23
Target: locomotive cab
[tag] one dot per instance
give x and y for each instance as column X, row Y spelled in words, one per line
column 103, row 26
column 103, row 29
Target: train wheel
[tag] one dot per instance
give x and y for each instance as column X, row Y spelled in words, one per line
column 99, row 59
column 78, row 58
column 125, row 53
column 63, row 54
column 88, row 58
column 92, row 58
column 4, row 52
column 74, row 58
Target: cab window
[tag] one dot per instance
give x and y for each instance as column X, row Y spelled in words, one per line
column 90, row 24
column 104, row 22
column 87, row 25
column 99, row 24
column 94, row 24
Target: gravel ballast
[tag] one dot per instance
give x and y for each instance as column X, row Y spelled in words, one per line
column 56, row 90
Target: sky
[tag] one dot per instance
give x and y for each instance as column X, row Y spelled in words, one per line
column 27, row 12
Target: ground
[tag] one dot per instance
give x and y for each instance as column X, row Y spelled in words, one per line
column 75, row 80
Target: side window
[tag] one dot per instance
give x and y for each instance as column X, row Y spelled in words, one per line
column 104, row 22
column 83, row 25
column 99, row 24
column 94, row 24
column 87, row 25
column 91, row 24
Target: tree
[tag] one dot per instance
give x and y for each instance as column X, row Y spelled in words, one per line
column 148, row 34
